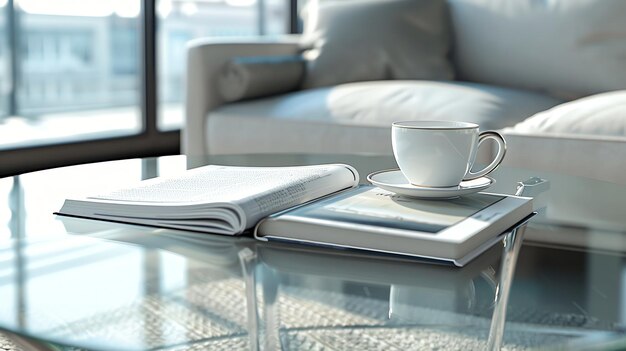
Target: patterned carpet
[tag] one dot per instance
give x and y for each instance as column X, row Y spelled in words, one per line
column 7, row 345
column 212, row 316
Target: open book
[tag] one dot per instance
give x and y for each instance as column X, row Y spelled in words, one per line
column 215, row 199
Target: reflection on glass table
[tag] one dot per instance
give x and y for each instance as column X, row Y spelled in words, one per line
column 136, row 288
column 102, row 286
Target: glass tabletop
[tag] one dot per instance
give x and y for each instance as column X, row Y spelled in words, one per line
column 69, row 282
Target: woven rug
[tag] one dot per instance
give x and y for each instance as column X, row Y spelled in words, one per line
column 7, row 345
column 212, row 316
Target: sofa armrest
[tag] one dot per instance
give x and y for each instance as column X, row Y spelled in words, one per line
column 205, row 59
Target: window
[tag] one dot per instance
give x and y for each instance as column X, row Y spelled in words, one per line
column 182, row 20
column 77, row 71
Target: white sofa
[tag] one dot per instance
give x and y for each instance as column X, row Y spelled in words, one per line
column 550, row 75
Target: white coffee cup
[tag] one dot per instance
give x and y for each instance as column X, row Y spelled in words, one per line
column 441, row 153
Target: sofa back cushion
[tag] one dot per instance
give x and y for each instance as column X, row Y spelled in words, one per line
column 569, row 48
column 360, row 40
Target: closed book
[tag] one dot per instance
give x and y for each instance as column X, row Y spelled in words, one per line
column 373, row 219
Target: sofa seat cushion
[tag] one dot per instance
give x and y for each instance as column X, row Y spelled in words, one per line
column 356, row 117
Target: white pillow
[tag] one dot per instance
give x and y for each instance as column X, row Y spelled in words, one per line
column 569, row 48
column 600, row 115
column 360, row 40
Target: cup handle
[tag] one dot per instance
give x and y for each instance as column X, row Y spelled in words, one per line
column 490, row 134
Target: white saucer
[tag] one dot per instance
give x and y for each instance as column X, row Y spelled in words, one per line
column 393, row 180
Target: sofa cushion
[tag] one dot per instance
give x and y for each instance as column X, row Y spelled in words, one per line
column 360, row 40
column 256, row 76
column 602, row 115
column 586, row 137
column 569, row 48
column 356, row 117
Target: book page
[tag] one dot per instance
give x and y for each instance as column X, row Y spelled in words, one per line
column 260, row 191
column 296, row 185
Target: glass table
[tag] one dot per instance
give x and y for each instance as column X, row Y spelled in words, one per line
column 72, row 284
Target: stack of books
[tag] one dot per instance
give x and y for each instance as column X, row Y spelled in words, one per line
column 314, row 205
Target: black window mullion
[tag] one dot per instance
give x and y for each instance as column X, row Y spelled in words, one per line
column 149, row 72
column 294, row 25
